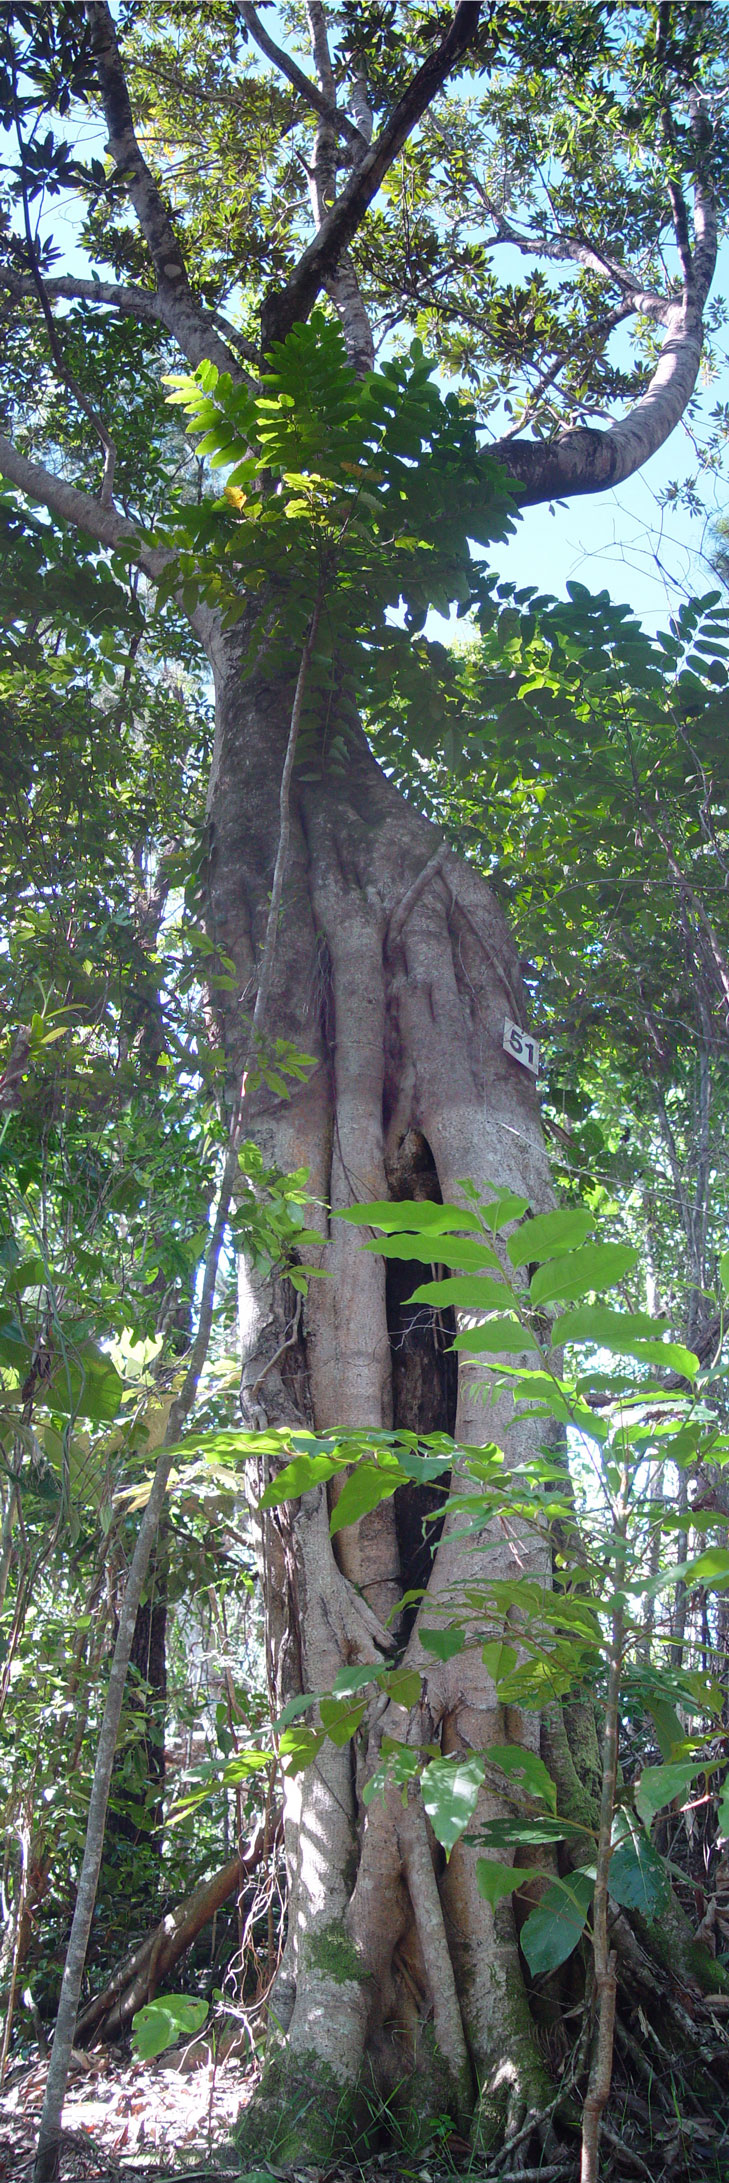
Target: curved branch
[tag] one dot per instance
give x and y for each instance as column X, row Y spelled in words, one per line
column 283, row 306
column 143, row 304
column 109, row 529
column 586, row 460
column 140, row 303
column 185, row 318
column 566, row 249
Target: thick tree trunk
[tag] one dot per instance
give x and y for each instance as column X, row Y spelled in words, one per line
column 394, row 972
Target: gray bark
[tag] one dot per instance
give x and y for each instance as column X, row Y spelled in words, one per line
column 394, row 970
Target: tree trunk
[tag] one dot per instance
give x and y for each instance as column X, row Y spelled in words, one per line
column 136, row 1812
column 394, row 972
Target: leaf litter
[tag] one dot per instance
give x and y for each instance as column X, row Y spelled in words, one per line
column 126, row 2121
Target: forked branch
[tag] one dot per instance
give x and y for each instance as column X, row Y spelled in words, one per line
column 310, row 92
column 283, row 306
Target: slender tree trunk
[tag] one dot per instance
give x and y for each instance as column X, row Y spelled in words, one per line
column 394, row 971
column 136, row 1812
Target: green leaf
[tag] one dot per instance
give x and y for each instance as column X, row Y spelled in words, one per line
column 711, row 1568
column 637, row 1877
column 469, row 1292
column 294, row 1707
column 607, row 1328
column 596, row 1266
column 625, row 1334
column 659, row 1785
column 299, row 1476
column 462, row 1251
column 724, row 1271
column 513, row 1833
column 450, row 1795
column 551, row 1932
column 245, row 1763
column 722, row 1809
column 498, row 1211
column 526, row 1768
column 403, row 1686
column 160, row 2022
column 365, row 1488
column 496, row 1336
column 443, row 1643
column 355, row 1677
column 341, row 1720
column 495, row 1881
column 669, row 1732
column 549, row 1235
column 498, row 1659
column 88, row 1385
column 299, row 1748
column 413, row 1216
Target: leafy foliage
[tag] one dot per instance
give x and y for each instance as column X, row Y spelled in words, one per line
column 562, row 1628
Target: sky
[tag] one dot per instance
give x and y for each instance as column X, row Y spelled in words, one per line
column 626, row 542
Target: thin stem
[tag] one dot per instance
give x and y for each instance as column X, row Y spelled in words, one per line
column 47, row 2153
column 598, row 2090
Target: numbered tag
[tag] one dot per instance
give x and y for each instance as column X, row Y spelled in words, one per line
column 521, row 1044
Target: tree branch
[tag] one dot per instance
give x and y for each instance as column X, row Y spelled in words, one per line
column 586, row 460
column 110, row 529
column 72, row 505
column 342, row 284
column 185, row 318
column 571, row 249
column 307, row 90
column 143, row 304
column 283, row 306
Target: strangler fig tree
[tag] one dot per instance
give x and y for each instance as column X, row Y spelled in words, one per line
column 278, row 214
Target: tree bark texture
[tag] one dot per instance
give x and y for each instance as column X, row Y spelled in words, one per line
column 394, row 971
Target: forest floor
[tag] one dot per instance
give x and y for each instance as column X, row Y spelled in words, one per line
column 172, row 2121
column 168, row 2121
column 129, row 2122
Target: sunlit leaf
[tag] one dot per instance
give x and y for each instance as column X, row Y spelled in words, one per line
column 363, row 1490
column 161, row 2022
column 595, row 1266
column 549, row 1235
column 450, row 1795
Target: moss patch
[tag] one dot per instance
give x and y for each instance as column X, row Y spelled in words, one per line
column 301, row 2112
column 329, row 1950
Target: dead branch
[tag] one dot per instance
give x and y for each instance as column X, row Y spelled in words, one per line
column 108, row 2015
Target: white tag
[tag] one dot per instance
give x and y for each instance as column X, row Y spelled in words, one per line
column 521, row 1044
